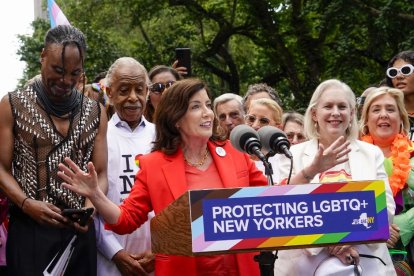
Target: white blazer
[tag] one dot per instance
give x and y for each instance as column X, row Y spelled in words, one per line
column 366, row 162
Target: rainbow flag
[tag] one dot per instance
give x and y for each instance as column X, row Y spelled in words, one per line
column 56, row 15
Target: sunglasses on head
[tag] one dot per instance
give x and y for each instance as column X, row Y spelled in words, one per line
column 159, row 87
column 406, row 70
column 250, row 119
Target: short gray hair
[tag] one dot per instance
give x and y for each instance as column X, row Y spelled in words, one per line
column 226, row 97
column 292, row 116
column 122, row 61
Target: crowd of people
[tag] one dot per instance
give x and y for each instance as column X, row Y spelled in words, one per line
column 131, row 142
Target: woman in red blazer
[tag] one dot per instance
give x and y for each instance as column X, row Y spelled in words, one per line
column 188, row 154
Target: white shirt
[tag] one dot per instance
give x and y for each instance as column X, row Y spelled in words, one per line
column 274, row 161
column 123, row 145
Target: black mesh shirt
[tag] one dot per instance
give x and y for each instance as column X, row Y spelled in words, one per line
column 39, row 147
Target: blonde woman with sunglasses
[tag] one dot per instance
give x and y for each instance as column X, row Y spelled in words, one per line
column 265, row 112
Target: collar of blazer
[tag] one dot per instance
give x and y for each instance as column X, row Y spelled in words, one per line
column 174, row 169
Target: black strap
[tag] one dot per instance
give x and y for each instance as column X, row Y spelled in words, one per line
column 373, row 257
column 356, row 270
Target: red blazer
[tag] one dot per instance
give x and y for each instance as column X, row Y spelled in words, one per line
column 161, row 180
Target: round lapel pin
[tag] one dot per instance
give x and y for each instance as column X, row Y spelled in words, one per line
column 220, row 151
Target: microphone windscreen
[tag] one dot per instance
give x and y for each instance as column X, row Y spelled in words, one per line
column 268, row 134
column 240, row 134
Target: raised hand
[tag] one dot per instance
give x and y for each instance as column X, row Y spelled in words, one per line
column 78, row 181
column 335, row 154
column 181, row 70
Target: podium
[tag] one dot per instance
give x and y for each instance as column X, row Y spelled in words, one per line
column 251, row 219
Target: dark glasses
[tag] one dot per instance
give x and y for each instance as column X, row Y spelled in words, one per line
column 250, row 119
column 158, row 87
column 406, row 70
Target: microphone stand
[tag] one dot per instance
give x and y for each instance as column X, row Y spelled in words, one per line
column 266, row 259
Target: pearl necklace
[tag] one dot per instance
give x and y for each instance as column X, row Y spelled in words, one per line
column 199, row 163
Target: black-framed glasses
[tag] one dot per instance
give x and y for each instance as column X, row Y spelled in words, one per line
column 250, row 119
column 406, row 70
column 159, row 88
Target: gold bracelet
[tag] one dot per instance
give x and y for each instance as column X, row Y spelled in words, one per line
column 307, row 177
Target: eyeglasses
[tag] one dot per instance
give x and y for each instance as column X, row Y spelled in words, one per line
column 159, row 88
column 406, row 70
column 299, row 136
column 398, row 255
column 250, row 119
column 232, row 115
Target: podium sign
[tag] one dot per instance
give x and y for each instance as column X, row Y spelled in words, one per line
column 288, row 216
column 272, row 217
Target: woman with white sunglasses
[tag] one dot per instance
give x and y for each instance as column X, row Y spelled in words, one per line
column 400, row 75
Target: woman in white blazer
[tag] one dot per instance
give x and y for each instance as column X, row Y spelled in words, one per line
column 333, row 153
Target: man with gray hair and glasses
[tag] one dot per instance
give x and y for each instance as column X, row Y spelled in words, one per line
column 228, row 108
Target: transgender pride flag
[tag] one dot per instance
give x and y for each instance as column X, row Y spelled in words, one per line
column 56, row 15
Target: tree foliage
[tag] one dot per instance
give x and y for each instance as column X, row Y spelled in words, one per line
column 291, row 45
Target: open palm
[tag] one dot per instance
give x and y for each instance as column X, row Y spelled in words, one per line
column 78, row 181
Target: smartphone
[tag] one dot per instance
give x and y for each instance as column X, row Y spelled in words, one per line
column 80, row 216
column 183, row 55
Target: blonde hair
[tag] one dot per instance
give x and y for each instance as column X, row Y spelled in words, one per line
column 277, row 111
column 311, row 131
column 397, row 95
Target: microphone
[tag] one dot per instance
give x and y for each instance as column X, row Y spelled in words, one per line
column 275, row 140
column 245, row 139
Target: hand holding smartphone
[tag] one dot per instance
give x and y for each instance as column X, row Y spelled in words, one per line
column 183, row 55
column 80, row 216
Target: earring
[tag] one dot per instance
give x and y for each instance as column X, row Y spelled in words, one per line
column 363, row 131
column 316, row 125
column 402, row 128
